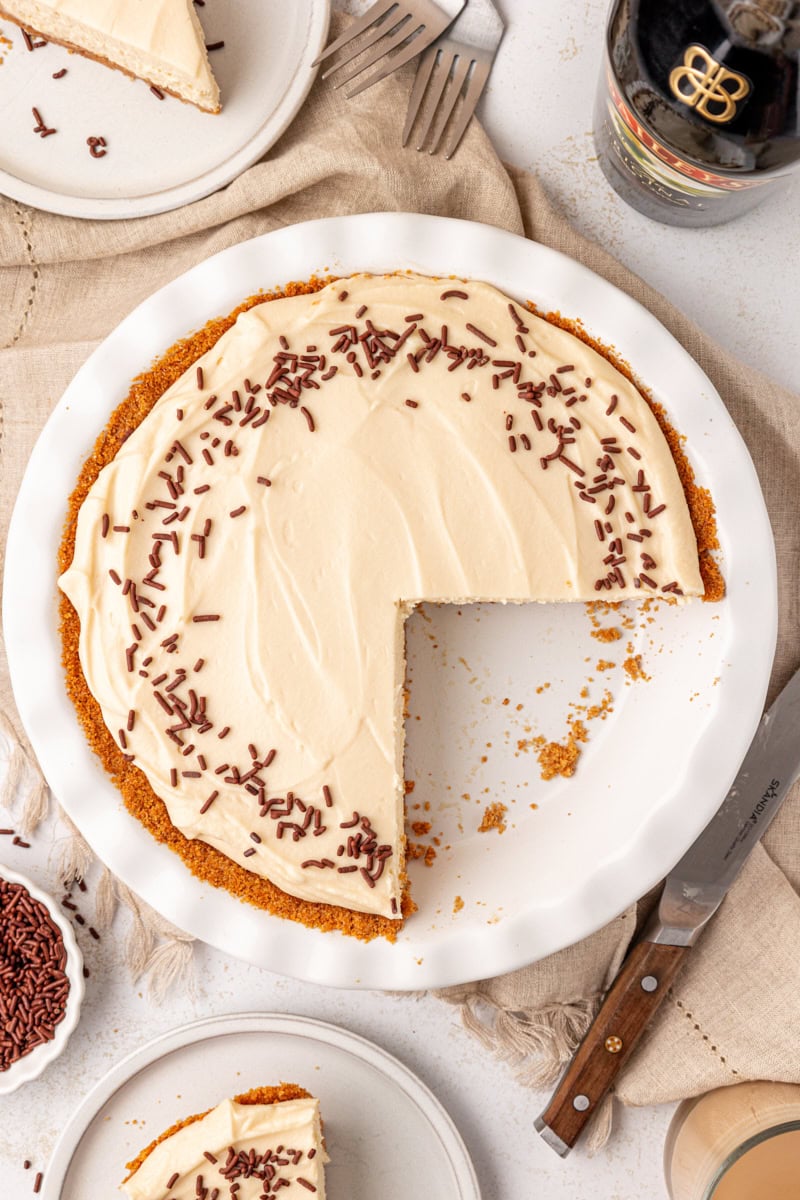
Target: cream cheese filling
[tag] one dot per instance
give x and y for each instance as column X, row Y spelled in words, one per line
column 279, row 512
column 285, row 1138
column 161, row 41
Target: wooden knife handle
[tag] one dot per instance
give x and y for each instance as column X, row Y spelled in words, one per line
column 626, row 1011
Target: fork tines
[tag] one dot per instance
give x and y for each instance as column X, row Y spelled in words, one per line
column 393, row 30
column 447, row 72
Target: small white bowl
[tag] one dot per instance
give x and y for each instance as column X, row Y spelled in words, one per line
column 31, row 1065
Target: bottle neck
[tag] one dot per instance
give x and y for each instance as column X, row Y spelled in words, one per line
column 763, row 24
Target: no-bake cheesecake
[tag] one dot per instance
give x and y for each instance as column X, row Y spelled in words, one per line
column 267, row 1142
column 272, row 504
column 160, row 41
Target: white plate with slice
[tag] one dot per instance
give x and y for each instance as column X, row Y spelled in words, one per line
column 160, row 153
column 387, row 1135
column 485, row 679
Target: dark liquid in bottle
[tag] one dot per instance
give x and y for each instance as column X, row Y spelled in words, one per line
column 697, row 117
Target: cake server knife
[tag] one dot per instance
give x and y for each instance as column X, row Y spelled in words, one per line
column 693, row 892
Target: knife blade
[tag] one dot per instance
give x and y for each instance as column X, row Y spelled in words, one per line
column 692, row 893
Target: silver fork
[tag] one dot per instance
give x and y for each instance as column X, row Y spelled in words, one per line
column 395, row 30
column 455, row 67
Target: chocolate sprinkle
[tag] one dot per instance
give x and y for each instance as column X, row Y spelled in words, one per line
column 480, row 334
column 40, row 126
column 33, row 985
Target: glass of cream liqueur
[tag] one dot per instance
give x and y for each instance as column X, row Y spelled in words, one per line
column 736, row 1143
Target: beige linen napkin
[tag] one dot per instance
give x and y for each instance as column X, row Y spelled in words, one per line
column 734, row 1013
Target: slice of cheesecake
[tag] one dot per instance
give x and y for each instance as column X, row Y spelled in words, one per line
column 159, row 41
column 267, row 1142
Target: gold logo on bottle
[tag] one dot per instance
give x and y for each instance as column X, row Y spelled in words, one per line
column 709, row 88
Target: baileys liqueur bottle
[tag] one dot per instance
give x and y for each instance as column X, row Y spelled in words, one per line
column 698, row 113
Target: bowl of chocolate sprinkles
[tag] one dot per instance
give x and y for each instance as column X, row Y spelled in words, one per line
column 41, row 981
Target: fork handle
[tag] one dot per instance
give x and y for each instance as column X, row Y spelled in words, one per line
column 628, row 1008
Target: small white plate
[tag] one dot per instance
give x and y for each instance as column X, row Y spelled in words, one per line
column 31, row 1065
column 654, row 771
column 386, row 1133
column 161, row 153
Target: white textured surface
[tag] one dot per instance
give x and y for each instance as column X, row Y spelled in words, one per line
column 740, row 283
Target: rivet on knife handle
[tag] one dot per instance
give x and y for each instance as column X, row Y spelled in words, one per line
column 625, row 1013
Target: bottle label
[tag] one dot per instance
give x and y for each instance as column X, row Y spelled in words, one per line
column 714, row 91
column 669, row 175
